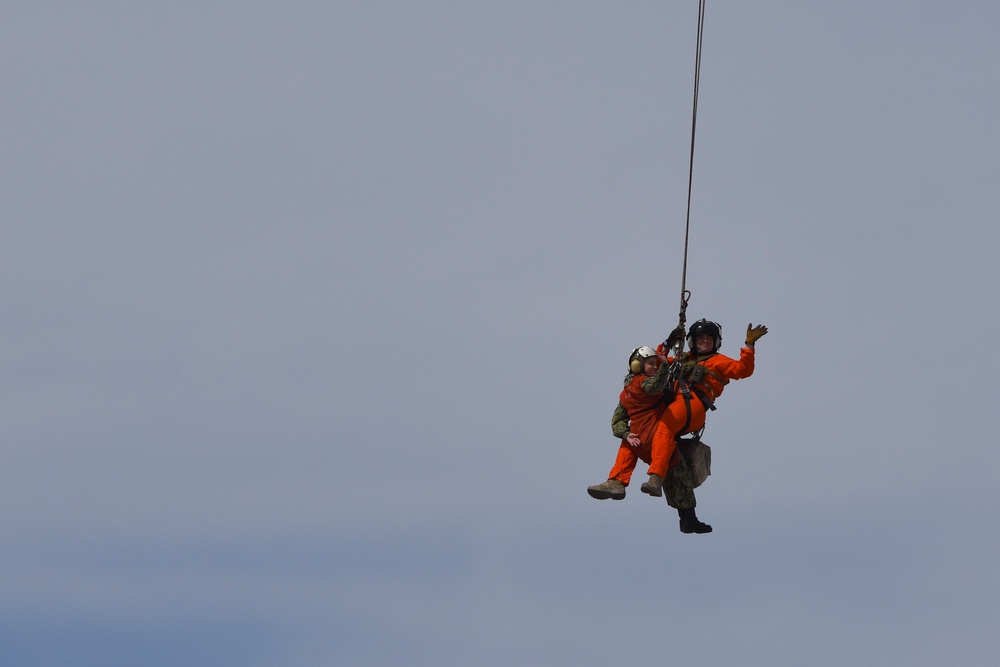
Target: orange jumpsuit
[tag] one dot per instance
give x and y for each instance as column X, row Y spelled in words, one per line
column 718, row 370
column 643, row 400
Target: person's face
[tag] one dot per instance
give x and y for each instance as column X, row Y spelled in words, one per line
column 703, row 343
column 649, row 365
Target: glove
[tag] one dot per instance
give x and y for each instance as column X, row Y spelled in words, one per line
column 675, row 337
column 754, row 333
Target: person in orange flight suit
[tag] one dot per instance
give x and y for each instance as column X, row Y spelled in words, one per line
column 634, row 421
column 704, row 373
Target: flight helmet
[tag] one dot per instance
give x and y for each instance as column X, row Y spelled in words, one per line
column 703, row 326
column 638, row 358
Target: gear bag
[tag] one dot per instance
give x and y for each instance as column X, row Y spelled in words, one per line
column 698, row 457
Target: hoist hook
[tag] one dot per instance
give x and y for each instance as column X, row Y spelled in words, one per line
column 682, row 316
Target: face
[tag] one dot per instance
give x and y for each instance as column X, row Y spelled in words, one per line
column 703, row 343
column 649, row 365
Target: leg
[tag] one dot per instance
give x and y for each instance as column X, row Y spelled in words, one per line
column 624, row 464
column 669, row 427
column 678, row 485
column 619, row 477
column 679, row 489
column 671, row 423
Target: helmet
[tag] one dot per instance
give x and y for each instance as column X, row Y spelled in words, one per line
column 638, row 357
column 704, row 326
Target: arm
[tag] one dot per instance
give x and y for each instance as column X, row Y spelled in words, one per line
column 733, row 369
column 658, row 381
column 737, row 369
column 620, row 422
column 620, row 425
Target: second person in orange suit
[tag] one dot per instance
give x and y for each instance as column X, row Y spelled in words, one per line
column 634, row 421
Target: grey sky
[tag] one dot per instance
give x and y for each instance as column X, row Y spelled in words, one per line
column 315, row 315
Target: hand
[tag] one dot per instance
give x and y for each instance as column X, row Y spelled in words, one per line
column 754, row 333
column 633, row 439
column 675, row 337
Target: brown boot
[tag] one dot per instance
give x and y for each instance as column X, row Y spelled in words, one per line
column 610, row 489
column 654, row 486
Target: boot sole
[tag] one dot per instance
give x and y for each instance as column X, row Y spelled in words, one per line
column 605, row 495
column 656, row 493
column 697, row 530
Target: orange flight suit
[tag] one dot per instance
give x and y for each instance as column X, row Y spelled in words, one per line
column 719, row 370
column 644, row 410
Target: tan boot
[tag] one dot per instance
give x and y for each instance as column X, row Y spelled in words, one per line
column 610, row 489
column 654, row 486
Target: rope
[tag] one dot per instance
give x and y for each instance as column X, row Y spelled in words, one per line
column 685, row 294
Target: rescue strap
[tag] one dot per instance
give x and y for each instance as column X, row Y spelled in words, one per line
column 695, row 436
column 686, row 392
column 686, row 395
column 708, row 403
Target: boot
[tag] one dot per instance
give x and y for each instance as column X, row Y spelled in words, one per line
column 610, row 489
column 691, row 524
column 654, row 486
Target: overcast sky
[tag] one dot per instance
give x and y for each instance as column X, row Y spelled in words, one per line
column 315, row 315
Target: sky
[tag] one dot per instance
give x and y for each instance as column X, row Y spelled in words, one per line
column 315, row 315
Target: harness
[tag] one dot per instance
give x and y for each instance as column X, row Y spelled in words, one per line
column 689, row 376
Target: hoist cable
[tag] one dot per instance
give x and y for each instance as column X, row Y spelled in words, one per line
column 685, row 294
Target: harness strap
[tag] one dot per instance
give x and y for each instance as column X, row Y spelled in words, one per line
column 704, row 390
column 722, row 380
column 709, row 405
column 686, row 392
column 686, row 395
